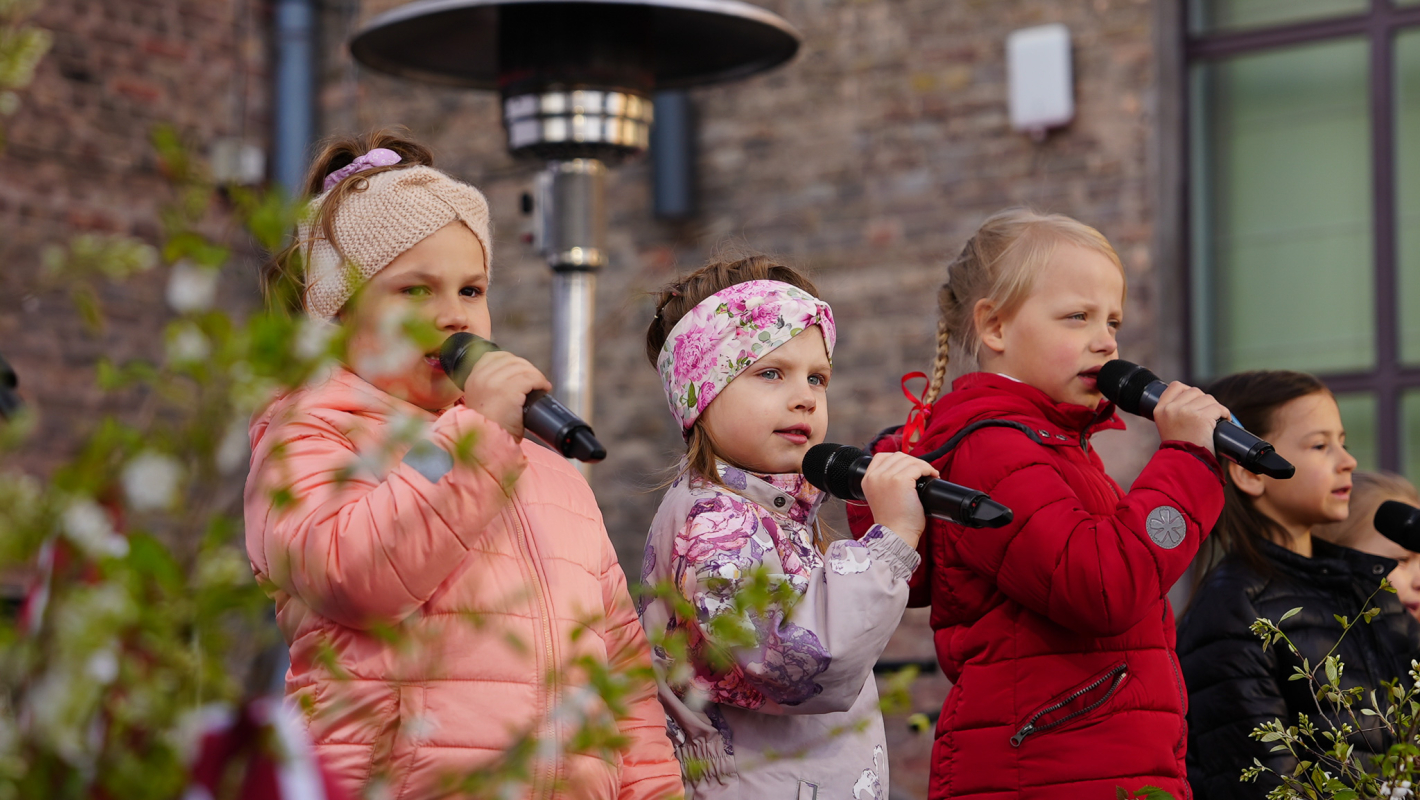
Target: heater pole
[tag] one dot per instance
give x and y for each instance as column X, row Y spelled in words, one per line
column 571, row 231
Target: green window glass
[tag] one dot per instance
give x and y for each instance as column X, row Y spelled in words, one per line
column 1282, row 231
column 1410, row 434
column 1358, row 415
column 1213, row 16
column 1407, row 191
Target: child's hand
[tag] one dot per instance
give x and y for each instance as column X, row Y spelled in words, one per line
column 890, row 487
column 498, row 386
column 1187, row 414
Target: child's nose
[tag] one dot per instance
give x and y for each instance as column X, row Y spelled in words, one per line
column 450, row 315
column 804, row 398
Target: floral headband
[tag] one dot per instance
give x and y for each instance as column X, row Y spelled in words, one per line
column 727, row 332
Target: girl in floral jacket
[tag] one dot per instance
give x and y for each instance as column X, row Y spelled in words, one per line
column 774, row 698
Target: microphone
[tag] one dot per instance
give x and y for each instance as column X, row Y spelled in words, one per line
column 839, row 469
column 1399, row 523
column 10, row 403
column 1137, row 390
column 543, row 416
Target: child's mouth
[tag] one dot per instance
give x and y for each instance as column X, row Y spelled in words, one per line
column 798, row 434
column 1090, row 377
column 433, row 361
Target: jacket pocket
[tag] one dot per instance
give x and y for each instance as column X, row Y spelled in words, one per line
column 1074, row 704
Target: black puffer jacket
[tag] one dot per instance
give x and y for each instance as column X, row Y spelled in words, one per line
column 1233, row 686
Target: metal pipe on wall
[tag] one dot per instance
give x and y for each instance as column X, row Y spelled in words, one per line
column 294, row 93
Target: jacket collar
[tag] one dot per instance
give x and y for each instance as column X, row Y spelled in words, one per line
column 1328, row 561
column 985, row 395
column 789, row 495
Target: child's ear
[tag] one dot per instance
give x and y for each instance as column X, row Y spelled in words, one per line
column 989, row 325
column 1247, row 483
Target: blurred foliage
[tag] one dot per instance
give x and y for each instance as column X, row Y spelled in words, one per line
column 22, row 47
column 1328, row 765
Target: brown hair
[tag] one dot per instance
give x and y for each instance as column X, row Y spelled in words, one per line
column 1254, row 398
column 999, row 263
column 1368, row 491
column 676, row 299
column 284, row 279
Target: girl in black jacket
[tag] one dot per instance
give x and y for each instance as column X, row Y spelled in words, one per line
column 1266, row 563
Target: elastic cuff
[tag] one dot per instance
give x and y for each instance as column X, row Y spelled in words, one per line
column 1200, row 453
column 888, row 547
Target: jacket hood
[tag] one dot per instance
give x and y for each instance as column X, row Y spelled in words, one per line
column 986, row 395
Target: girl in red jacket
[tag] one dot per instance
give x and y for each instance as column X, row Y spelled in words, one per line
column 1055, row 629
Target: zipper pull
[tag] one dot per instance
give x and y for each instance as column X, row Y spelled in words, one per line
column 1022, row 734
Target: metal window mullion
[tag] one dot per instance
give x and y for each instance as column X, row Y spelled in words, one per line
column 1381, row 35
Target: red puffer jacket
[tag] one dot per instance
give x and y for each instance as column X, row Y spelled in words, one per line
column 1055, row 629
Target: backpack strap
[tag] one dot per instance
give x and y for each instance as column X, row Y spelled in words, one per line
column 973, row 428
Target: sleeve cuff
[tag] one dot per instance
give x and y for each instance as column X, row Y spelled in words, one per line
column 887, row 546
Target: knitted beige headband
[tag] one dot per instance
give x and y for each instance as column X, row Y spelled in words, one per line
column 397, row 210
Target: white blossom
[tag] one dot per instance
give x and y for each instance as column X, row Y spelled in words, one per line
column 313, row 338
column 150, row 481
column 191, row 287
column 392, row 351
column 235, row 447
column 102, row 666
column 188, row 344
column 88, row 526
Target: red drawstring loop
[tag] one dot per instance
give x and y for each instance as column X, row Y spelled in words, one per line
column 921, row 410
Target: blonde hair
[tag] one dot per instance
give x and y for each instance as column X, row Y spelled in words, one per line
column 1368, row 491
column 999, row 263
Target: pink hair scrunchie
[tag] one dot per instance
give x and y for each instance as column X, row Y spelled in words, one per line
column 379, row 157
column 727, row 332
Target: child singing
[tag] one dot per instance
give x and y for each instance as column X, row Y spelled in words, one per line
column 1266, row 563
column 1055, row 629
column 437, row 578
column 744, row 350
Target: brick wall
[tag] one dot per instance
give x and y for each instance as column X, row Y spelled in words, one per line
column 79, row 161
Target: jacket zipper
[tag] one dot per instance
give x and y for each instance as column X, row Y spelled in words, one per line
column 1114, row 677
column 545, row 615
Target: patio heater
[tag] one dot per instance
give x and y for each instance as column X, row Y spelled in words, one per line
column 576, row 79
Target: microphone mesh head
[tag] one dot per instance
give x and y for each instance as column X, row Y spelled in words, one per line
column 1123, row 383
column 829, row 467
column 815, row 466
column 1393, row 518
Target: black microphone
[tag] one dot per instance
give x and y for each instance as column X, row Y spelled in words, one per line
column 1400, row 523
column 10, row 403
column 839, row 469
column 1137, row 390
column 543, row 416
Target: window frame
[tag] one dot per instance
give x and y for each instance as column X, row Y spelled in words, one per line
column 1379, row 26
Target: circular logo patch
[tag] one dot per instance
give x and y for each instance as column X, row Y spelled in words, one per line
column 1166, row 527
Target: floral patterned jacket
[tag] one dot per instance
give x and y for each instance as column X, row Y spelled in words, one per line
column 796, row 715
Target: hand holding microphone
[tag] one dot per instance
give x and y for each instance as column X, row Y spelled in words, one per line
column 839, row 469
column 1139, row 391
column 514, row 395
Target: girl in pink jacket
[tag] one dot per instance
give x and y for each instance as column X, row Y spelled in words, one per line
column 429, row 566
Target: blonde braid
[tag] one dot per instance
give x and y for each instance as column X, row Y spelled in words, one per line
column 939, row 364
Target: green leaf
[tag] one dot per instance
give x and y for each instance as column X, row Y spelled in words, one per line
column 1290, row 614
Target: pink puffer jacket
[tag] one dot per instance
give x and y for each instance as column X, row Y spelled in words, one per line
column 426, row 602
